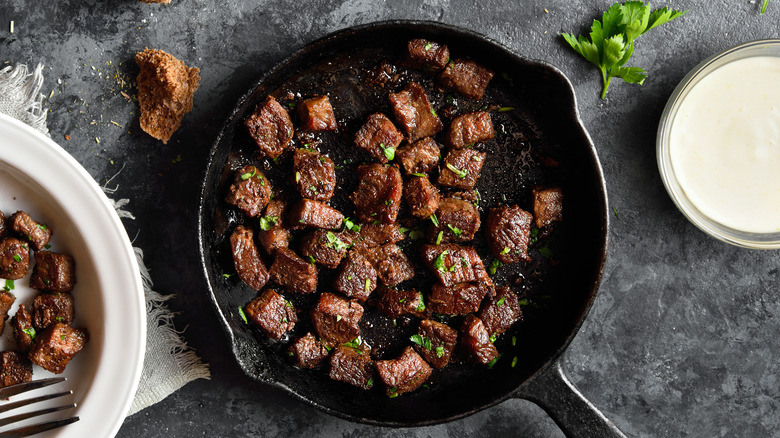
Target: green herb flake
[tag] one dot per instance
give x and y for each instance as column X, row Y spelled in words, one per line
column 370, row 382
column 351, row 226
column 389, row 202
column 439, row 237
column 434, row 219
column 493, row 362
column 458, row 172
column 546, row 252
column 433, row 113
column 514, row 340
column 421, row 175
column 501, row 301
column 43, row 227
column 338, row 318
column 367, row 288
column 504, row 109
column 9, row 285
column 59, row 319
column 242, row 314
column 422, row 341
column 334, row 242
column 514, row 361
column 416, row 234
column 428, row 46
column 505, row 250
column 438, row 263
column 17, row 258
column 494, row 265
column 614, row 210
column 227, row 275
column 421, row 306
column 311, row 260
column 355, row 343
column 522, row 302
column 29, row 332
column 493, row 337
column 455, row 230
column 246, row 176
column 268, row 222
column 297, row 177
column 464, row 262
column 389, row 151
column 439, row 351
column 763, row 8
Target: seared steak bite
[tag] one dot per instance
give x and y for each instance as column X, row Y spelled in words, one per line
column 272, row 313
column 246, row 258
column 420, row 156
column 475, row 341
column 458, row 221
column 357, row 277
column 468, row 129
column 455, row 264
column 459, row 299
column 548, row 206
column 53, row 272
column 508, row 231
column 325, row 247
column 378, row 195
column 353, row 366
column 500, row 312
column 14, row 368
column 6, row 301
column 308, row 213
column 14, row 258
column 391, row 264
column 293, row 272
column 466, row 77
column 373, row 235
column 427, row 55
column 435, row 342
column 414, row 112
column 406, row 373
column 22, row 323
column 307, row 352
column 421, row 196
column 316, row 114
column 379, row 137
column 49, row 309
column 35, row 233
column 272, row 233
column 54, row 347
column 394, row 303
column 461, row 168
column 315, row 175
column 271, row 128
column 250, row 191
column 336, row 319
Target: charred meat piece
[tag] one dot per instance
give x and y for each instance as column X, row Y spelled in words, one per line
column 508, row 231
column 427, row 55
column 14, row 258
column 308, row 213
column 468, row 129
column 455, row 264
column 394, row 303
column 6, row 301
column 24, row 332
column 378, row 195
column 475, row 341
column 316, row 114
column 250, row 191
column 435, row 342
column 381, row 74
column 458, row 221
column 14, row 368
column 271, row 128
column 50, row 309
column 293, row 272
column 353, row 366
column 315, row 175
column 53, row 272
column 548, row 206
column 379, row 137
column 272, row 233
column 501, row 312
column 37, row 234
column 421, row 196
column 357, row 277
column 325, row 247
column 414, row 112
column 461, row 168
column 373, row 235
column 420, row 156
column 459, row 299
column 391, row 264
column 307, row 352
column 54, row 347
column 466, row 77
column 272, row 313
column 406, row 373
column 336, row 319
column 246, row 258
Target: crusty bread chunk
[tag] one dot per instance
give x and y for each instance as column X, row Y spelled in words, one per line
column 165, row 89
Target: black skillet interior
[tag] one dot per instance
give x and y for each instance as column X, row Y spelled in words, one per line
column 540, row 142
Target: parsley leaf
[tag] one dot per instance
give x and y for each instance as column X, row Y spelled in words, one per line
column 455, row 230
column 334, row 242
column 458, row 172
column 268, row 222
column 351, row 226
column 389, row 151
column 422, row 341
column 246, row 176
column 763, row 7
column 242, row 314
column 438, row 263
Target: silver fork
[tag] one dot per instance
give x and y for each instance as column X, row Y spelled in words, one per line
column 20, row 388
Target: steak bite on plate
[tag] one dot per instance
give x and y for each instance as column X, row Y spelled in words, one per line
column 357, row 277
column 308, row 213
column 391, row 264
column 316, row 114
column 272, row 233
column 427, row 55
column 28, row 229
column 458, row 221
column 414, row 112
column 336, row 319
column 246, row 258
column 420, row 156
column 14, row 258
column 378, row 195
column 403, row 374
column 272, row 313
column 23, row 330
column 475, row 341
column 436, row 343
column 548, row 207
column 315, row 175
column 56, row 346
column 421, row 196
column 468, row 129
column 461, row 168
column 466, row 77
column 325, row 247
column 14, row 368
column 394, row 303
column 271, row 128
column 353, row 366
column 455, row 264
column 508, row 233
column 6, row 301
column 250, row 191
column 500, row 312
column 379, row 137
column 49, row 309
column 307, row 352
column 53, row 272
column 293, row 273
column 458, row 299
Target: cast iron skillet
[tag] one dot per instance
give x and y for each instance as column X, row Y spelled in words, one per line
column 541, row 141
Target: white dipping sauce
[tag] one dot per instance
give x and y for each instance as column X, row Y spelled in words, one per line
column 725, row 145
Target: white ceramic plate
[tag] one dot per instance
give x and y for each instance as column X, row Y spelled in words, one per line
column 39, row 177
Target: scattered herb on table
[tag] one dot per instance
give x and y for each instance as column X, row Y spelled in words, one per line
column 763, row 8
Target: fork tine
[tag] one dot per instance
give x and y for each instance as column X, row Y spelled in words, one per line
column 37, row 428
column 19, row 388
column 26, row 415
column 20, row 403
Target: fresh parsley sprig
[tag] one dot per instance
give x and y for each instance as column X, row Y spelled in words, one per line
column 611, row 40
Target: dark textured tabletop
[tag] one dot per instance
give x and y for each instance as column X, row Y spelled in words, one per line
column 682, row 339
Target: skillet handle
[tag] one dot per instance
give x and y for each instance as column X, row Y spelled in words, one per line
column 552, row 390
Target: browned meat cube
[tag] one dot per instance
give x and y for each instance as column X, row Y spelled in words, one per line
column 468, row 129
column 307, row 352
column 356, row 278
column 455, row 264
column 250, row 191
column 37, row 234
column 501, row 312
column 508, row 231
column 475, row 341
column 421, row 196
column 414, row 112
column 246, row 258
column 395, row 303
column 14, row 368
column 458, row 221
column 6, row 301
column 54, row 347
column 315, row 175
column 293, row 272
column 272, row 233
column 49, row 309
column 3, row 227
column 378, row 195
column 391, row 264
column 427, row 55
column 336, row 319
column 271, row 128
column 24, row 332
column 435, row 342
column 325, row 247
column 459, row 299
column 316, row 114
column 373, row 235
column 420, row 156
column 461, row 168
column 379, row 137
column 308, row 213
column 272, row 313
column 14, row 258
column 466, row 77
column 406, row 373
column 353, row 366
column 53, row 272
column 548, row 206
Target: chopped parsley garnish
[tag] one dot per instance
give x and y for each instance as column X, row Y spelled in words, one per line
column 514, row 340
column 422, row 341
column 30, row 332
column 439, row 351
column 17, row 258
column 242, row 314
column 311, row 260
column 368, row 285
column 504, row 109
column 505, row 250
column 500, row 302
column 388, row 151
column 370, row 382
column 455, row 230
column 421, row 306
column 268, row 222
column 355, row 343
column 43, row 227
column 227, row 275
column 439, row 237
column 493, row 338
column 246, row 176
column 338, row 318
column 534, row 236
column 434, row 219
column 334, row 242
column 351, row 226
column 421, row 175
column 297, row 176
column 514, row 361
column 545, row 251
column 433, row 113
column 438, row 263
column 389, row 202
column 460, row 173
column 428, row 46
column 59, row 319
column 9, row 285
column 493, row 362
column 494, row 265
column 393, row 393
column 464, row 262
